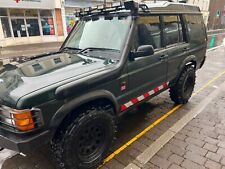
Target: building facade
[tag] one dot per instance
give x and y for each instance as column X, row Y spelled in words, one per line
column 37, row 21
column 217, row 14
column 30, row 21
column 69, row 6
column 204, row 6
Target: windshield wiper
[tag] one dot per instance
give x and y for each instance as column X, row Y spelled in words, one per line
column 103, row 49
column 70, row 48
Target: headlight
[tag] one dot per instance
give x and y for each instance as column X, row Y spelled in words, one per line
column 20, row 120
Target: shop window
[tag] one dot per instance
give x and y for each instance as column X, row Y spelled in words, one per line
column 33, row 27
column 47, row 22
column 31, row 12
column 45, row 13
column 70, row 22
column 5, row 27
column 19, row 28
column 16, row 12
column 3, row 12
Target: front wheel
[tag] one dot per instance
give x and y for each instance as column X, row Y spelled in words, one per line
column 86, row 141
column 181, row 92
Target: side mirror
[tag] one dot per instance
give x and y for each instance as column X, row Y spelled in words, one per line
column 142, row 51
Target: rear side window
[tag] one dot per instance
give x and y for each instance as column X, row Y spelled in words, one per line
column 173, row 29
column 196, row 28
column 149, row 31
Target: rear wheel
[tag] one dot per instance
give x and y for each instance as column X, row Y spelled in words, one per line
column 86, row 141
column 181, row 92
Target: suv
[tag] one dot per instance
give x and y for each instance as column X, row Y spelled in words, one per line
column 117, row 56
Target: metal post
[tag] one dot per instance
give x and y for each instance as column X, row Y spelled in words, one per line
column 104, row 2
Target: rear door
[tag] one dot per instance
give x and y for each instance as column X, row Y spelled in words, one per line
column 176, row 43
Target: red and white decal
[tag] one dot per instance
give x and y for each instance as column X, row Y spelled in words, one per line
column 144, row 96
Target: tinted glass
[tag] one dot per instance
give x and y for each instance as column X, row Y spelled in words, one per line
column 149, row 31
column 3, row 12
column 173, row 30
column 5, row 27
column 33, row 27
column 196, row 28
column 19, row 28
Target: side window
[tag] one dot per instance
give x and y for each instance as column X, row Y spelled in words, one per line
column 173, row 29
column 149, row 31
column 196, row 28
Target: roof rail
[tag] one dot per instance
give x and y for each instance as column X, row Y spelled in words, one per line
column 131, row 6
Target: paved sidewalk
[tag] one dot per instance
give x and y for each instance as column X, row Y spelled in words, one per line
column 199, row 145
column 29, row 49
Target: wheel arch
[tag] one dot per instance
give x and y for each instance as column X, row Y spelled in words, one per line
column 190, row 60
column 78, row 102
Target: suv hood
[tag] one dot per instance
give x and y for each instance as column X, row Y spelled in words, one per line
column 28, row 75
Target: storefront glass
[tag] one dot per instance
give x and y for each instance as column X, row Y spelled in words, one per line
column 31, row 12
column 16, row 12
column 33, row 27
column 5, row 23
column 47, row 22
column 19, row 28
column 25, row 22
column 70, row 22
column 5, row 27
column 3, row 12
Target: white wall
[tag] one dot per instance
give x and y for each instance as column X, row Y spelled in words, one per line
column 32, row 4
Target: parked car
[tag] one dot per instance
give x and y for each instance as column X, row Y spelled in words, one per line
column 115, row 58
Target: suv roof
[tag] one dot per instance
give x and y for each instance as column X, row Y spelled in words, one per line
column 162, row 7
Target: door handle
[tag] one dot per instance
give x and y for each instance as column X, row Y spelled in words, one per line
column 186, row 49
column 162, row 57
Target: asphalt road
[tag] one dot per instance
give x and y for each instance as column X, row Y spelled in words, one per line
column 136, row 121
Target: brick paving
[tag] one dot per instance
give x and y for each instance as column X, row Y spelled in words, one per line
column 200, row 144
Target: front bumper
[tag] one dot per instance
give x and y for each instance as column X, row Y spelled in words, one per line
column 23, row 144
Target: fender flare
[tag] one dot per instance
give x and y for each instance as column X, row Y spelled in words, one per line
column 68, row 107
column 191, row 58
column 186, row 61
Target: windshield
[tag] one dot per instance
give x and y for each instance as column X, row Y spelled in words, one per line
column 101, row 33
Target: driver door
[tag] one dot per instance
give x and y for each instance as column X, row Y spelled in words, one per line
column 148, row 72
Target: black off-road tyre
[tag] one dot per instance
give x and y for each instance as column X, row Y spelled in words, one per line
column 182, row 90
column 85, row 142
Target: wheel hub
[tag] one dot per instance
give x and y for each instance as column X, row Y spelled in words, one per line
column 90, row 141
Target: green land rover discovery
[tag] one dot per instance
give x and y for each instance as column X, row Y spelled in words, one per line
column 116, row 57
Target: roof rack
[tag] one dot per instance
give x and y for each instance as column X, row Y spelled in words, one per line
column 131, row 6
